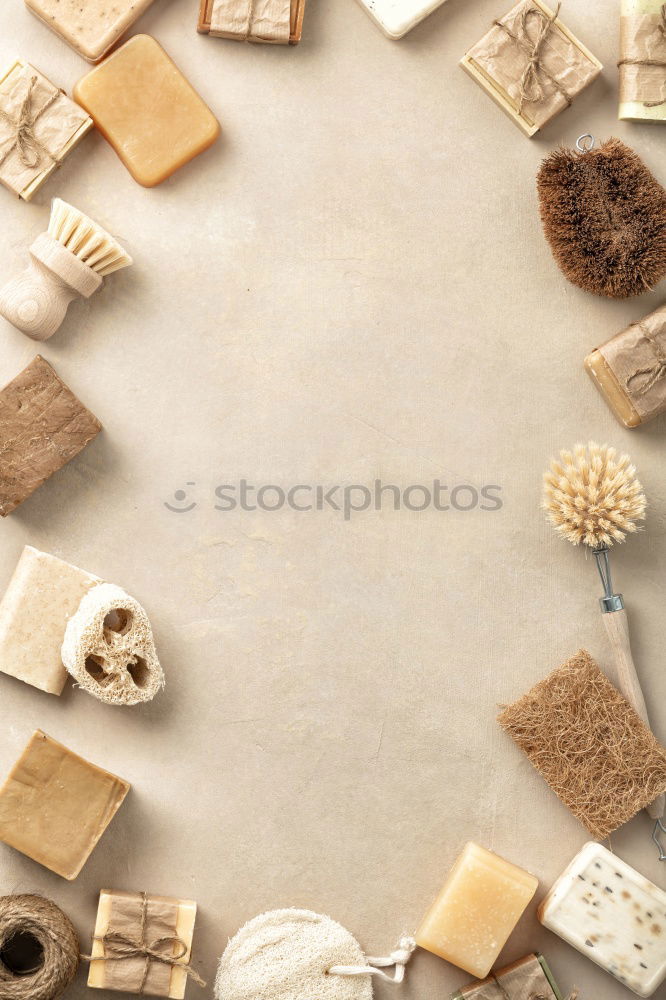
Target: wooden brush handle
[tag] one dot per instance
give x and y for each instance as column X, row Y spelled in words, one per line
column 617, row 630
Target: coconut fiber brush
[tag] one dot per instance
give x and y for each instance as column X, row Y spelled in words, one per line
column 593, row 498
column 69, row 260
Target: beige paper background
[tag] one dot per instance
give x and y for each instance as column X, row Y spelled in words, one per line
column 352, row 284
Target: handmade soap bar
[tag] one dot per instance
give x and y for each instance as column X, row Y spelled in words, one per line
column 643, row 61
column 158, row 923
column 481, row 903
column 91, row 27
column 50, row 127
column 531, row 65
column 144, row 106
column 54, row 806
column 42, row 426
column 529, row 977
column 630, row 370
column 613, row 915
column 277, row 22
column 43, row 594
column 397, row 17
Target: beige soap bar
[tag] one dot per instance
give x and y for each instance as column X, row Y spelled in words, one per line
column 165, row 918
column 55, row 806
column 144, row 106
column 482, row 901
column 91, row 27
column 43, row 594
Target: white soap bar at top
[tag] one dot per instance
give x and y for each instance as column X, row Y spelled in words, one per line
column 397, row 17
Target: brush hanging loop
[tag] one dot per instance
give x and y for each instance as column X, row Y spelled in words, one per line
column 585, row 142
column 659, row 828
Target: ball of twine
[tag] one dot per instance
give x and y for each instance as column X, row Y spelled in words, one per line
column 55, row 935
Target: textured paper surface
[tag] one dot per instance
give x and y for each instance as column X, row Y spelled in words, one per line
column 520, row 981
column 352, row 284
column 642, row 38
column 504, row 62
column 252, row 20
column 641, row 346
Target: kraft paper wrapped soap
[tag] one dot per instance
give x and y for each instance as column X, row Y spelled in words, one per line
column 39, row 126
column 613, row 915
column 630, row 370
column 482, row 901
column 151, row 923
column 275, row 22
column 55, row 806
column 91, row 27
column 397, row 17
column 43, row 594
column 530, row 977
column 531, row 65
column 643, row 61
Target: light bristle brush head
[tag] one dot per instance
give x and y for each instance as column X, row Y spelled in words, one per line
column 592, row 495
column 86, row 240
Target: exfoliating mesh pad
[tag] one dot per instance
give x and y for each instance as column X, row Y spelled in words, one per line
column 589, row 744
column 285, row 955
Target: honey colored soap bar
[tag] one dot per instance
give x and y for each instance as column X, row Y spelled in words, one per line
column 482, row 901
column 148, row 920
column 55, row 806
column 147, row 110
column 613, row 915
column 43, row 593
column 92, row 27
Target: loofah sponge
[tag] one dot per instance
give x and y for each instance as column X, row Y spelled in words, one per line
column 109, row 648
column 604, row 215
column 589, row 744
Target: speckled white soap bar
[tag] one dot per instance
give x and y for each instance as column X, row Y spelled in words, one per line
column 397, row 17
column 613, row 915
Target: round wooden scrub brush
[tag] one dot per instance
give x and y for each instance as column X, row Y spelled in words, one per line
column 593, row 498
column 69, row 260
column 604, row 216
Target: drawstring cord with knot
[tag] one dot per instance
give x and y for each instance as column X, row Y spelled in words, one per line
column 398, row 958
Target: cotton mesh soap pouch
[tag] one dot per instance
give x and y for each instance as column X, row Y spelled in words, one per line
column 109, row 648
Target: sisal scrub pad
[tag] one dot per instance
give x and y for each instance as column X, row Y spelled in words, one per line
column 589, row 744
column 109, row 648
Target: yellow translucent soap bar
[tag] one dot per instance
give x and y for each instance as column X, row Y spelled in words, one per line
column 147, row 110
column 482, row 901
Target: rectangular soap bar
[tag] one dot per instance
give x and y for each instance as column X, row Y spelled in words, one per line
column 482, row 901
column 529, row 977
column 55, row 806
column 613, row 915
column 123, row 913
column 642, row 61
column 43, row 594
column 91, row 27
column 42, row 427
column 143, row 105
column 275, row 22
column 397, row 17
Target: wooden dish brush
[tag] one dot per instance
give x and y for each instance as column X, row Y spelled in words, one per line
column 593, row 498
column 69, row 260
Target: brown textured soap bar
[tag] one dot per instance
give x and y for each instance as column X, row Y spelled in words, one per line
column 54, row 806
column 42, row 426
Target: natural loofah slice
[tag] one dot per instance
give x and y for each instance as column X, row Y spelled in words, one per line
column 589, row 744
column 109, row 648
column 604, row 215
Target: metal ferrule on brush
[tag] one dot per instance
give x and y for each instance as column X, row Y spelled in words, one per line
column 610, row 601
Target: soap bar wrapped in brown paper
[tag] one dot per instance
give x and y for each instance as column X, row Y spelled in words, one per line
column 142, row 944
column 531, row 64
column 252, row 20
column 637, row 359
column 527, row 978
column 39, row 125
column 643, row 53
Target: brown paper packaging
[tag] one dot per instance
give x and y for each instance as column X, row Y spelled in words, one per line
column 642, row 40
column 520, row 981
column 636, row 359
column 252, row 20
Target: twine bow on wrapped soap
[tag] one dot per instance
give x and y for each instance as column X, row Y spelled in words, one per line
column 21, row 125
column 530, row 86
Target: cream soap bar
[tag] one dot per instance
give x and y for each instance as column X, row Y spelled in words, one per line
column 91, row 27
column 397, row 17
column 482, row 901
column 43, row 594
column 55, row 806
column 613, row 915
column 143, row 105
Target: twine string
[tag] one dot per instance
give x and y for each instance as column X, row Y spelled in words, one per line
column 533, row 996
column 651, row 374
column 375, row 966
column 30, row 150
column 118, row 947
column 530, row 84
column 661, row 29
